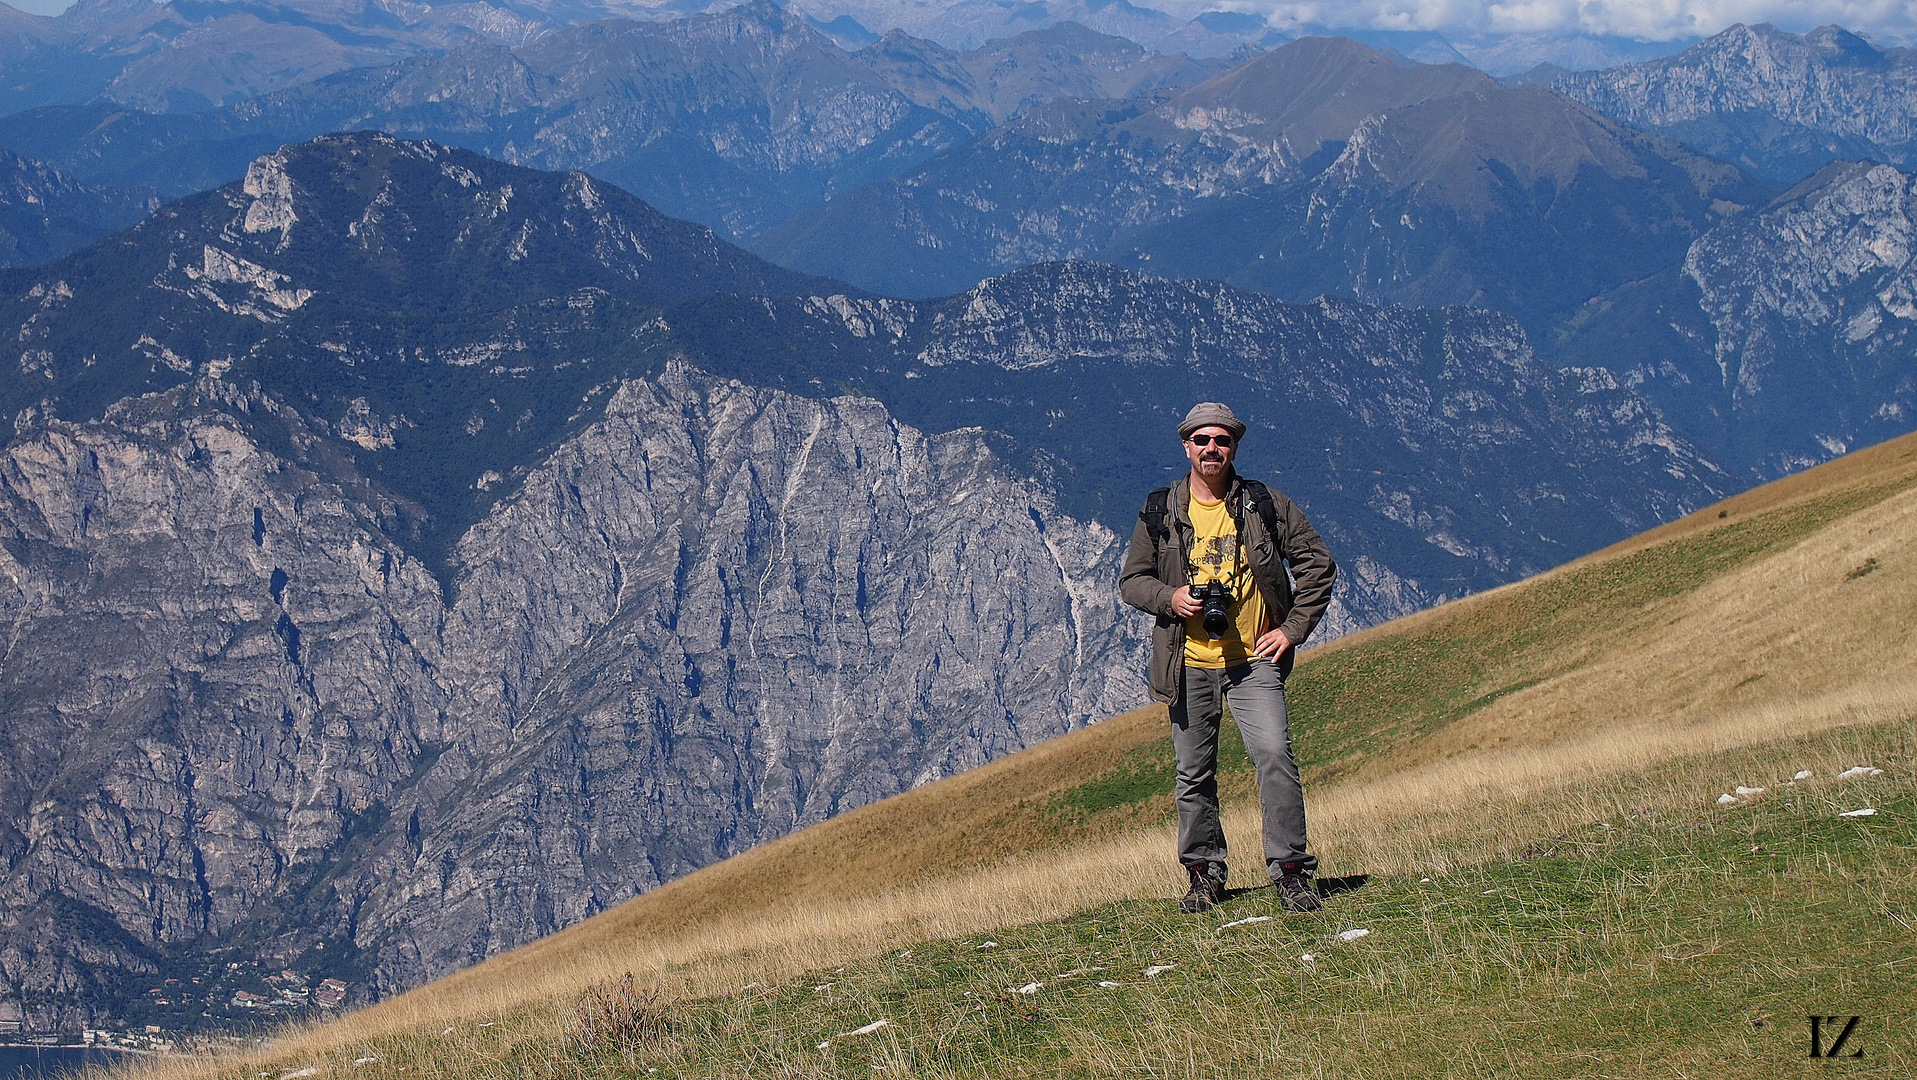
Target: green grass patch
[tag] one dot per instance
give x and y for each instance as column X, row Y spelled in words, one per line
column 1363, row 700
column 1367, row 698
column 1657, row 943
column 1146, row 772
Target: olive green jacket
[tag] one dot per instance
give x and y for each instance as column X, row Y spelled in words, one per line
column 1154, row 571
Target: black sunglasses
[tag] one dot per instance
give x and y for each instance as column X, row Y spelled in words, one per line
column 1206, row 440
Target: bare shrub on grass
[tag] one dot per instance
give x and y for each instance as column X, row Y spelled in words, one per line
column 617, row 1014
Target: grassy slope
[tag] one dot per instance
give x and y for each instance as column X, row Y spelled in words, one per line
column 1768, row 633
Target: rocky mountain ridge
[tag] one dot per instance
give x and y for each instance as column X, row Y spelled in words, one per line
column 1785, row 334
column 360, row 269
column 44, row 213
column 715, row 614
column 1780, row 104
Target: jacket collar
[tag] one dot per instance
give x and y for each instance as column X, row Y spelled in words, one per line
column 1180, row 497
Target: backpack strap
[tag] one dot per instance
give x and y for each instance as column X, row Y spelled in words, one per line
column 1153, row 515
column 1261, row 501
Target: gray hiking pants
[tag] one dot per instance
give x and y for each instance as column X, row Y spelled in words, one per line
column 1256, row 692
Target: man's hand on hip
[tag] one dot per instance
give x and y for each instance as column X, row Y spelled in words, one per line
column 1272, row 645
column 1184, row 605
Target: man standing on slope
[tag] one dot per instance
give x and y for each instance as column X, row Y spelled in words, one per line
column 1208, row 558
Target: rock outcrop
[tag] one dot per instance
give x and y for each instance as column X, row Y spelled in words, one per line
column 1814, row 301
column 242, row 715
column 45, row 214
column 1780, row 104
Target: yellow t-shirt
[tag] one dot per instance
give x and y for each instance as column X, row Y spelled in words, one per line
column 1215, row 556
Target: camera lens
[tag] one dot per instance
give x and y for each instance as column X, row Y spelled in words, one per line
column 1215, row 600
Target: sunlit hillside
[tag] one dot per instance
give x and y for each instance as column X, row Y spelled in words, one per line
column 1567, row 738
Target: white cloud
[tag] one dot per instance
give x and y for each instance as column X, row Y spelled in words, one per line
column 1888, row 22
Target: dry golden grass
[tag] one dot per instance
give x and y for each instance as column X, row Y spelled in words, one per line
column 1662, row 706
column 1793, row 631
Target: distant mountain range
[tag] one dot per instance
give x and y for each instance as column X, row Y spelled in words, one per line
column 970, row 23
column 735, row 120
column 748, row 118
column 1784, row 338
column 1780, row 104
column 1322, row 166
column 188, row 54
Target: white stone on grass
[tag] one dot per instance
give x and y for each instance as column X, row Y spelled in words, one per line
column 1868, row 811
column 367, row 1060
column 1802, row 774
column 867, row 1029
column 988, row 945
column 1308, row 961
column 1726, row 800
column 1156, row 970
column 296, row 1074
column 1107, row 983
column 1349, row 936
column 1859, row 772
column 1246, row 922
column 1748, row 791
column 1029, row 988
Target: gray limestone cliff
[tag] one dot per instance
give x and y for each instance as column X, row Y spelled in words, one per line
column 1814, row 301
column 242, row 716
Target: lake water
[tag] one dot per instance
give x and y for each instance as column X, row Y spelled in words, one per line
column 33, row 1062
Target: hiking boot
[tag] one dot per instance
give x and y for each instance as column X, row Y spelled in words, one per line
column 1207, row 889
column 1296, row 894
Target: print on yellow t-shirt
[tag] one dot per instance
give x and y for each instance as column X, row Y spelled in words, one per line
column 1215, row 557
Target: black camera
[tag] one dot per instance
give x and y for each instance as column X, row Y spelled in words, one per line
column 1214, row 601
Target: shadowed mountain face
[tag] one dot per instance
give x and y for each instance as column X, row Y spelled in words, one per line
column 1779, row 104
column 1318, row 168
column 1785, row 336
column 363, row 273
column 44, row 214
column 736, row 119
column 970, row 24
column 1517, row 200
column 187, row 54
column 409, row 554
column 450, row 316
column 1073, row 179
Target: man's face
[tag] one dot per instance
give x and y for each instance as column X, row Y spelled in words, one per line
column 1210, row 461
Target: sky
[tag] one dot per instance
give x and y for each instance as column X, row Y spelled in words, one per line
column 1888, row 22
